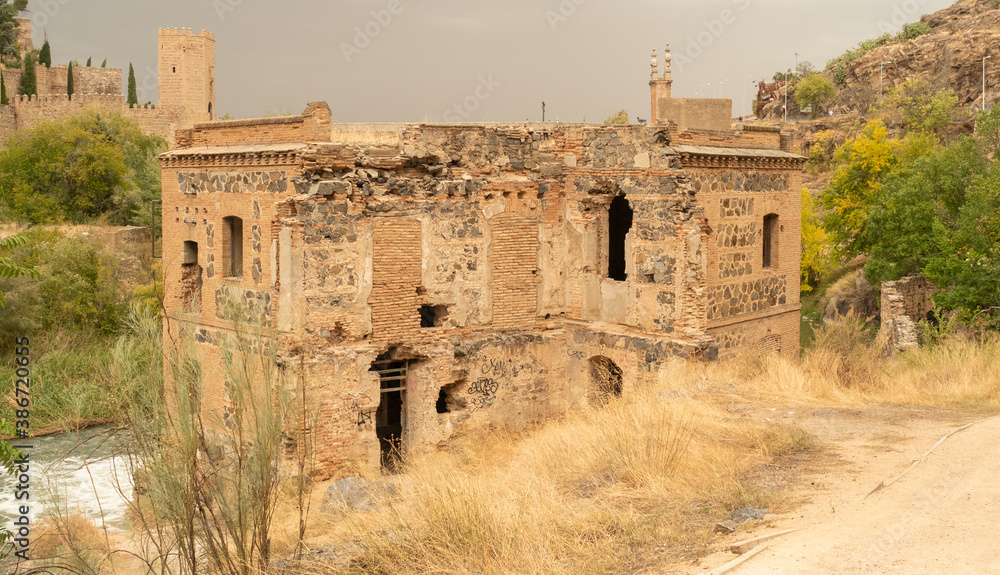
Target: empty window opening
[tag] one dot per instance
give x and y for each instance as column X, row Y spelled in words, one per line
column 428, row 315
column 209, row 109
column 175, row 69
column 191, row 278
column 606, row 380
column 770, row 240
column 232, row 246
column 619, row 224
column 390, row 418
column 433, row 315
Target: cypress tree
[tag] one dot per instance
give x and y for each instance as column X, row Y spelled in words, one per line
column 69, row 81
column 88, row 61
column 133, row 99
column 104, row 64
column 45, row 55
column 3, row 92
column 27, row 86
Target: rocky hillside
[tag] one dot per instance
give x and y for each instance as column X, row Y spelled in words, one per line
column 950, row 55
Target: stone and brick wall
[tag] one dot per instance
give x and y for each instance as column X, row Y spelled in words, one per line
column 498, row 233
column 904, row 303
column 185, row 96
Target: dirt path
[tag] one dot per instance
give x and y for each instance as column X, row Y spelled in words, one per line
column 938, row 518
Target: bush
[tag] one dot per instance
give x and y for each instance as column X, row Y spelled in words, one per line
column 914, row 30
column 89, row 166
column 814, row 91
column 618, row 118
column 79, row 288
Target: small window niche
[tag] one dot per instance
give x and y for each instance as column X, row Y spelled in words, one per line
column 770, row 244
column 191, row 278
column 232, row 247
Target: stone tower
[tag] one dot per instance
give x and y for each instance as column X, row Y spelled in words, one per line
column 187, row 72
column 659, row 85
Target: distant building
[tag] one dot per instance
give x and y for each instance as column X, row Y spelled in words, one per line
column 186, row 82
column 426, row 279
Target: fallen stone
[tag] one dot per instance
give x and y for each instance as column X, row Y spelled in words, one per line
column 746, row 514
column 727, row 526
column 354, row 494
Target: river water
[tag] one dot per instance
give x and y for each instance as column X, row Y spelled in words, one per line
column 81, row 471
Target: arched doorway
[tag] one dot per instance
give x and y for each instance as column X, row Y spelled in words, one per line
column 605, row 380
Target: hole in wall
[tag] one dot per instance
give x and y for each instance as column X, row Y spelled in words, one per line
column 450, row 398
column 428, row 316
column 606, row 380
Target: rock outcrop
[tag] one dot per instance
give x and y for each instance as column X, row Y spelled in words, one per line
column 951, row 56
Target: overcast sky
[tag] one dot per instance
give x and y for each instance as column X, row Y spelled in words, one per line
column 494, row 60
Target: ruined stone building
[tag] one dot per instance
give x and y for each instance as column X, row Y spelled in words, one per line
column 426, row 279
column 186, row 81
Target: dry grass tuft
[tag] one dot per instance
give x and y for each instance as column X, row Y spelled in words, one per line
column 580, row 495
column 645, row 476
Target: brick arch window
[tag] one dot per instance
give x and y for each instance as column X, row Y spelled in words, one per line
column 770, row 244
column 232, row 247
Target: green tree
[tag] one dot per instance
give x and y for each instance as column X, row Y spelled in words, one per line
column 88, row 61
column 863, row 165
column 133, row 99
column 617, row 119
column 917, row 205
column 104, row 64
column 69, row 80
column 3, row 92
column 818, row 254
column 91, row 165
column 814, row 91
column 10, row 269
column 916, row 106
column 45, row 55
column 27, row 87
column 10, row 50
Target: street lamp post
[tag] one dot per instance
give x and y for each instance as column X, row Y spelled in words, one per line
column 985, row 58
column 786, row 95
column 881, row 68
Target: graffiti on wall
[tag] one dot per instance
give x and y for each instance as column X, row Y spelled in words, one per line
column 365, row 416
column 504, row 369
column 483, row 392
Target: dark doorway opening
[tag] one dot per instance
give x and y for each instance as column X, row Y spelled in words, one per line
column 390, row 419
column 619, row 224
column 606, row 379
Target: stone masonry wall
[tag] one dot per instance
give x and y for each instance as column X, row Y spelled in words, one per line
column 497, row 233
column 904, row 303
